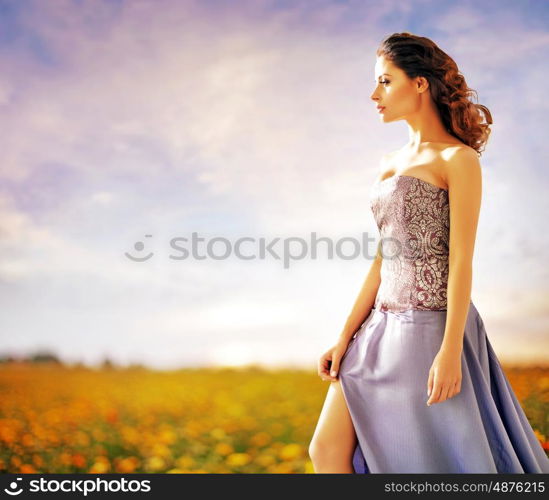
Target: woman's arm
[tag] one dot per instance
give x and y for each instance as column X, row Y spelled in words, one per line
column 464, row 178
column 365, row 300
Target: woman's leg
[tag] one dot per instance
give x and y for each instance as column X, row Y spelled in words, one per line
column 334, row 440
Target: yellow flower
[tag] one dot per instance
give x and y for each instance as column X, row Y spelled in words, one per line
column 290, row 452
column 218, row 433
column 155, row 464
column 261, row 439
column 238, row 459
column 223, row 449
column 185, row 462
column 99, row 467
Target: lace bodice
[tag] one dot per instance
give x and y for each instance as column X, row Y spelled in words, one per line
column 413, row 219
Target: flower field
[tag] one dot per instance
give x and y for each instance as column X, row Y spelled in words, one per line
column 56, row 419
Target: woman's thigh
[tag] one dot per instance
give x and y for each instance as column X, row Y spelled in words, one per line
column 335, row 433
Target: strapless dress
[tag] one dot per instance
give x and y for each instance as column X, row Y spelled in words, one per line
column 385, row 369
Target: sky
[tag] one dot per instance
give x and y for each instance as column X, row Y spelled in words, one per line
column 127, row 126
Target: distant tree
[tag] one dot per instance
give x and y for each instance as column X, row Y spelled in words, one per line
column 7, row 358
column 44, row 357
column 107, row 364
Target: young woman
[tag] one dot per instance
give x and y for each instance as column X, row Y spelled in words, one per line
column 415, row 384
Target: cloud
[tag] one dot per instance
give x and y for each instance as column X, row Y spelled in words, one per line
column 122, row 119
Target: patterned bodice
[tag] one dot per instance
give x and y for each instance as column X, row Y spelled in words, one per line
column 413, row 218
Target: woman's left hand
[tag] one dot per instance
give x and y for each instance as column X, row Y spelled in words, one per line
column 444, row 376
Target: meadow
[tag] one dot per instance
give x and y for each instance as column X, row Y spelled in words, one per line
column 59, row 419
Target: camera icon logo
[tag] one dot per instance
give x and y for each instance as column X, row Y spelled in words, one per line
column 13, row 488
column 139, row 247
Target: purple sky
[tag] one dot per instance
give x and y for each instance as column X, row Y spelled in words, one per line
column 241, row 119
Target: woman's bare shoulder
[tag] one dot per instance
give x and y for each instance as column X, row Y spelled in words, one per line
column 455, row 154
column 460, row 160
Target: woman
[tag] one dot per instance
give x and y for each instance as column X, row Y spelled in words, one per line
column 416, row 386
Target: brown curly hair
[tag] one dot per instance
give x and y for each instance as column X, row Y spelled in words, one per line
column 420, row 56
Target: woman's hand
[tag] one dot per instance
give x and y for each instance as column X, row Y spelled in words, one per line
column 444, row 376
column 328, row 364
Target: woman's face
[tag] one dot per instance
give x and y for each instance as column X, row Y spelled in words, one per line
column 398, row 94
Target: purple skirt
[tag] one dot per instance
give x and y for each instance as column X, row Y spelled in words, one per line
column 384, row 375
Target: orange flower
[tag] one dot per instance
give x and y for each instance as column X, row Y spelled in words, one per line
column 78, row 460
column 27, row 469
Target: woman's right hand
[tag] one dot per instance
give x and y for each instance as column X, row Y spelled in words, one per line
column 328, row 364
